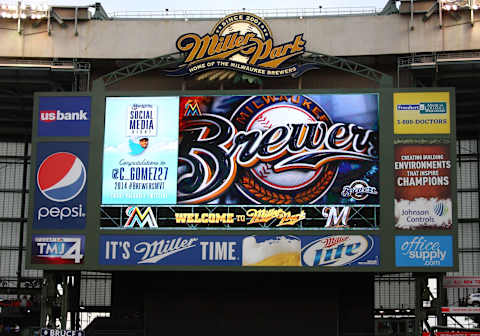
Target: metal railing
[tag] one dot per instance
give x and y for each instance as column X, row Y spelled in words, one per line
column 264, row 13
column 433, row 58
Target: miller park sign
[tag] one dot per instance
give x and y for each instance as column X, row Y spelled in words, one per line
column 240, row 42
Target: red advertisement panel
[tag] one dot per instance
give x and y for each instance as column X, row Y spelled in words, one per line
column 422, row 186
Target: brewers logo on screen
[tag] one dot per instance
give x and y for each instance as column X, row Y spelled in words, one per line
column 278, row 150
column 240, row 42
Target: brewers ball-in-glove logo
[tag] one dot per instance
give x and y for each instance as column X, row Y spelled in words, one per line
column 273, row 149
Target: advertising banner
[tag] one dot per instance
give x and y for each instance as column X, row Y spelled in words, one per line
column 421, row 112
column 461, row 310
column 188, row 250
column 423, row 196
column 461, row 282
column 61, row 332
column 140, row 150
column 64, row 116
column 238, row 217
column 240, row 42
column 58, row 249
column 60, row 199
column 457, row 333
column 421, row 251
column 279, row 150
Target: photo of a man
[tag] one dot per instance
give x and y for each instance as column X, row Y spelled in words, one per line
column 138, row 146
column 144, row 143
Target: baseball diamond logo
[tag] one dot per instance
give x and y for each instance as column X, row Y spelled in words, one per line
column 273, row 149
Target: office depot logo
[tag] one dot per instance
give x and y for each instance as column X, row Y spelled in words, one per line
column 50, row 116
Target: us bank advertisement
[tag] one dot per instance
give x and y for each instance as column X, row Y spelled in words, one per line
column 423, row 196
column 140, row 150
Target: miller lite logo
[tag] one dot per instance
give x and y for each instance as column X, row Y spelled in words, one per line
column 338, row 251
column 273, row 149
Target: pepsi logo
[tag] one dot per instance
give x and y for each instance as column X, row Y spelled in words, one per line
column 61, row 177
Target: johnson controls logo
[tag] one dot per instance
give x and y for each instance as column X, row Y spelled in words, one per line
column 440, row 209
column 60, row 178
column 50, row 116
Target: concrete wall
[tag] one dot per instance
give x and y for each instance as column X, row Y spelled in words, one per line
column 340, row 36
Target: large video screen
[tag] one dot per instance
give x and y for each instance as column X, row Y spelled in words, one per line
column 140, row 150
column 301, row 181
column 238, row 150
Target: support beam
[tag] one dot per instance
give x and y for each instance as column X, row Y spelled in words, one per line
column 318, row 59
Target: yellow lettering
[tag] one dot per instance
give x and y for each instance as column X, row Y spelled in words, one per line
column 262, row 51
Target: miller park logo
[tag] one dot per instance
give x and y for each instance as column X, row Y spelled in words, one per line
column 240, row 42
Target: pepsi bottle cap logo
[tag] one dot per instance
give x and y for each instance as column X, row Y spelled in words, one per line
column 61, row 176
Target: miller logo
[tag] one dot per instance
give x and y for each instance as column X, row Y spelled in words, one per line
column 274, row 149
column 240, row 42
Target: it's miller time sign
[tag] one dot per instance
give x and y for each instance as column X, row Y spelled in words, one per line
column 240, row 42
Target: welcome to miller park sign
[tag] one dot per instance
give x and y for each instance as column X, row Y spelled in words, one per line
column 240, row 42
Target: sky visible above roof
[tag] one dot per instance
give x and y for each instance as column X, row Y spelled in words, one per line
column 155, row 5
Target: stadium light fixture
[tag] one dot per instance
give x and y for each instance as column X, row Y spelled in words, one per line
column 459, row 4
column 23, row 11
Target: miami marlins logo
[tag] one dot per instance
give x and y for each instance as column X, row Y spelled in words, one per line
column 192, row 108
column 142, row 219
